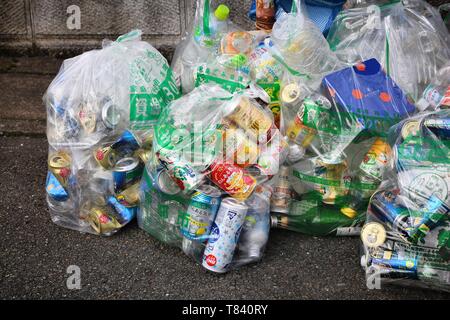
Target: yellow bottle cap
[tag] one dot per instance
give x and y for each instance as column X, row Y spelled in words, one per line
column 222, row 12
column 349, row 212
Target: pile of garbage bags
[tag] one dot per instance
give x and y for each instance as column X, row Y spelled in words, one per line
column 276, row 127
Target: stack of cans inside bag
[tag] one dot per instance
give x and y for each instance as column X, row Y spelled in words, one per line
column 101, row 108
column 205, row 189
column 407, row 235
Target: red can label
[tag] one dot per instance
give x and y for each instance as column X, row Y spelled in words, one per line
column 233, row 180
column 211, row 260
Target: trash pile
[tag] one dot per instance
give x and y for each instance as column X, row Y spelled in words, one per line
column 100, row 111
column 272, row 127
column 407, row 234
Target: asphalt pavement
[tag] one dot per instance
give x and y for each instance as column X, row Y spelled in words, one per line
column 35, row 253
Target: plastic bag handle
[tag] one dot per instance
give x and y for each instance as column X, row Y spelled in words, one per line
column 206, row 29
column 296, row 5
column 130, row 36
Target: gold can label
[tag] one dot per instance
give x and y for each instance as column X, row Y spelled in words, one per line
column 88, row 119
column 105, row 157
column 61, row 159
column 251, row 118
column 130, row 196
column 143, row 154
column 102, row 222
column 59, row 164
column 299, row 133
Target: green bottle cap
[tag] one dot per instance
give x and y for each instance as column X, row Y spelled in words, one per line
column 222, row 12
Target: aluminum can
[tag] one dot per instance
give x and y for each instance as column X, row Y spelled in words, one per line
column 59, row 164
column 200, row 213
column 224, row 236
column 126, row 172
column 232, row 179
column 376, row 159
column 102, row 222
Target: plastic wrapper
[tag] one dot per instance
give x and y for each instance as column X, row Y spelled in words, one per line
column 206, row 190
column 395, row 33
column 337, row 148
column 406, row 238
column 101, row 108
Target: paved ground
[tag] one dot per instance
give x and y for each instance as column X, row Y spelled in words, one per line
column 35, row 253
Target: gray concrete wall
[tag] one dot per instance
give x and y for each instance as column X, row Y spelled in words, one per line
column 40, row 26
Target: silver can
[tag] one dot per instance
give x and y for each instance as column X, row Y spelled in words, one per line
column 224, row 235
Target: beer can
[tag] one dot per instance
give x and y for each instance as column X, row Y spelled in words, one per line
column 181, row 171
column 130, row 196
column 298, row 132
column 106, row 157
column 143, row 155
column 239, row 148
column 385, row 207
column 224, row 235
column 331, row 179
column 87, row 118
column 410, row 128
column 110, row 114
column 165, row 183
column 232, row 179
column 373, row 234
column 102, row 222
column 250, row 117
column 291, row 95
column 55, row 189
column 282, row 194
column 439, row 127
column 59, row 164
column 126, row 172
column 125, row 213
column 376, row 159
column 126, row 144
column 200, row 213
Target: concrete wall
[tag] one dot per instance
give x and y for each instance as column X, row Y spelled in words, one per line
column 40, row 26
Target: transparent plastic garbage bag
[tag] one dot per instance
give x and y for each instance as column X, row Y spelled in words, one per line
column 338, row 148
column 408, row 38
column 205, row 189
column 406, row 237
column 101, row 108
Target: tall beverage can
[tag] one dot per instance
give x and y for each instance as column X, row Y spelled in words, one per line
column 201, row 212
column 224, row 235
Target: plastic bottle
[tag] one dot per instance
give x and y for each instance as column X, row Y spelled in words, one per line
column 203, row 45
